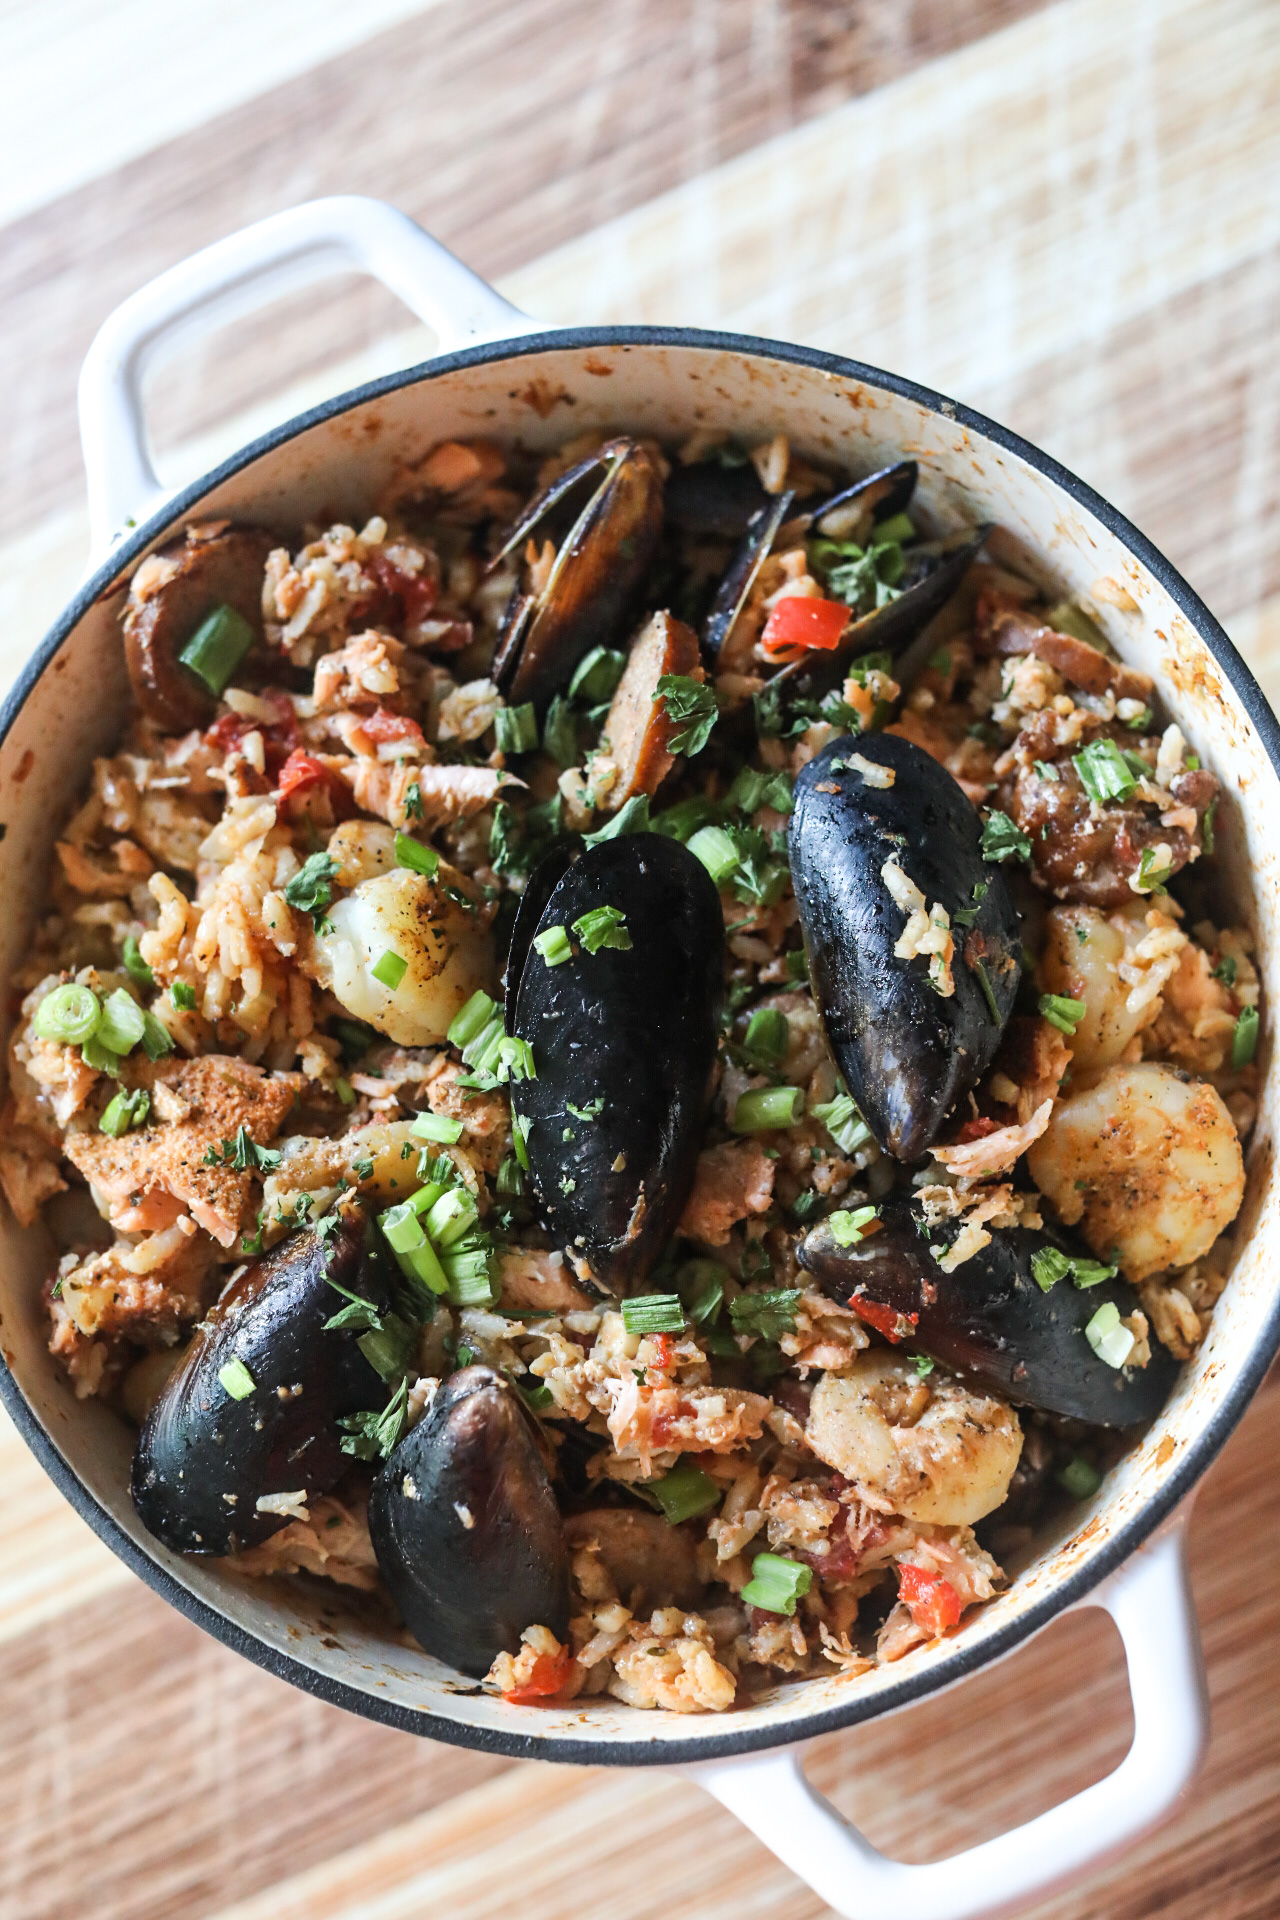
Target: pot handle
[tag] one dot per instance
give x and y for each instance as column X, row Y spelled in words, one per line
column 1149, row 1599
column 234, row 276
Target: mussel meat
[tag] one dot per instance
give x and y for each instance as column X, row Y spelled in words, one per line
column 599, row 565
column 911, row 1035
column 212, row 1453
column 623, row 1036
column 466, row 1528
column 991, row 1321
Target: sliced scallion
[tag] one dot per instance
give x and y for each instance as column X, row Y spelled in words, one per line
column 183, row 996
column 389, row 969
column 683, row 1493
column 437, row 1127
column 125, row 1110
column 603, row 927
column 69, row 1016
column 236, row 1379
column 843, row 1122
column 717, row 852
column 1244, row 1038
column 766, row 1037
column 217, row 647
column 1079, row 1478
column 156, row 1037
column 411, row 853
column 776, row 1584
column 474, row 1016
column 516, row 729
column 554, row 946
column 653, row 1313
column 1110, row 1339
column 597, row 676
column 122, row 1024
column 1062, row 1012
column 134, row 964
column 766, row 1107
column 849, row 1228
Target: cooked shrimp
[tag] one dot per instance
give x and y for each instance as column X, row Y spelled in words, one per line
column 416, row 921
column 1116, row 964
column 932, row 1450
column 1148, row 1160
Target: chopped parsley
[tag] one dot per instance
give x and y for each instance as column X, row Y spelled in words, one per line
column 692, row 709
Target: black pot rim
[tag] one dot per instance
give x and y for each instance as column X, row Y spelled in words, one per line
column 661, row 1749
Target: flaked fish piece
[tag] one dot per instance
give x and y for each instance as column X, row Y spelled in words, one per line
column 426, row 797
column 148, row 1177
column 733, row 1182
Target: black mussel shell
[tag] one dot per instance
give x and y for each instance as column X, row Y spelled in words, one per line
column 710, row 499
column 731, row 594
column 542, row 884
column 204, row 1458
column 932, row 575
column 599, row 566
column 466, row 1528
column 990, row 1321
column 907, row 1053
column 629, row 1039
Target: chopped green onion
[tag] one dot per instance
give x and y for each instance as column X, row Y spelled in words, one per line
column 217, row 647
column 1149, row 877
column 1104, row 772
column 683, row 820
column 474, row 1016
column 415, row 1256
column 797, row 964
column 1079, row 1478
column 156, row 1037
column 183, row 996
column 100, row 1058
column 452, row 1216
column 716, row 851
column 516, row 729
column 1109, row 1338
column 767, row 1315
column 766, row 1107
column 122, row 1024
column 1244, row 1038
column 603, row 927
column 597, row 676
column 979, row 969
column 412, row 854
column 683, row 1493
column 387, row 1346
column 776, row 1584
column 69, row 1015
column 521, row 1125
column 1062, row 1012
column 898, row 527
column 1206, row 826
column 850, row 1229
column 345, row 1092
column 653, row 1313
column 390, row 969
column 843, row 1122
column 125, row 1110
column 554, row 946
column 237, row 1380
column 437, row 1127
column 510, row 1182
column 766, row 1037
column 1066, row 617
column 134, row 964
column 1002, row 841
column 1139, row 721
column 631, row 817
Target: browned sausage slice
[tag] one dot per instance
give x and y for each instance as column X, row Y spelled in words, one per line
column 172, row 592
column 637, row 729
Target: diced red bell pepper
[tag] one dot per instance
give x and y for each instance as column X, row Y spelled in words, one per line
column 976, row 1128
column 383, row 726
column 550, row 1673
column 416, row 592
column 933, row 1602
column 801, row 625
column 666, row 1346
column 893, row 1325
column 302, row 771
column 279, row 736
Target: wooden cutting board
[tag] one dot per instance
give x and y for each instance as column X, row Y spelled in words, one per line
column 1069, row 216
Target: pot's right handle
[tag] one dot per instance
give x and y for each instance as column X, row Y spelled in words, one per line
column 1150, row 1601
column 234, row 276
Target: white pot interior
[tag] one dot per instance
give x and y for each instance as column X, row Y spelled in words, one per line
column 337, row 469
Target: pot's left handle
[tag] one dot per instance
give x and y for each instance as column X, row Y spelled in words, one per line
column 1150, row 1602
column 234, row 276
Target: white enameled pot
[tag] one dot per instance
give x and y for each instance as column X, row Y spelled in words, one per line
column 497, row 375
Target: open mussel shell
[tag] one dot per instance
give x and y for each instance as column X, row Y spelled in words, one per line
column 932, row 575
column 867, row 501
column 628, row 1038
column 542, row 884
column 205, row 1458
column 600, row 563
column 466, row 1527
column 709, row 498
column 907, row 1051
column 990, row 1321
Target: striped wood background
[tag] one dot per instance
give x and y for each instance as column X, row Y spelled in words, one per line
column 1068, row 215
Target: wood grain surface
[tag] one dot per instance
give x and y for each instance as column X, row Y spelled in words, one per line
column 1068, row 215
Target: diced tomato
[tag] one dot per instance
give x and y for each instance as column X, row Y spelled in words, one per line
column 302, row 772
column 893, row 1325
column 550, row 1672
column 666, row 1351
column 383, row 726
column 933, row 1602
column 279, row 736
column 800, row 625
column 975, row 1129
column 416, row 592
